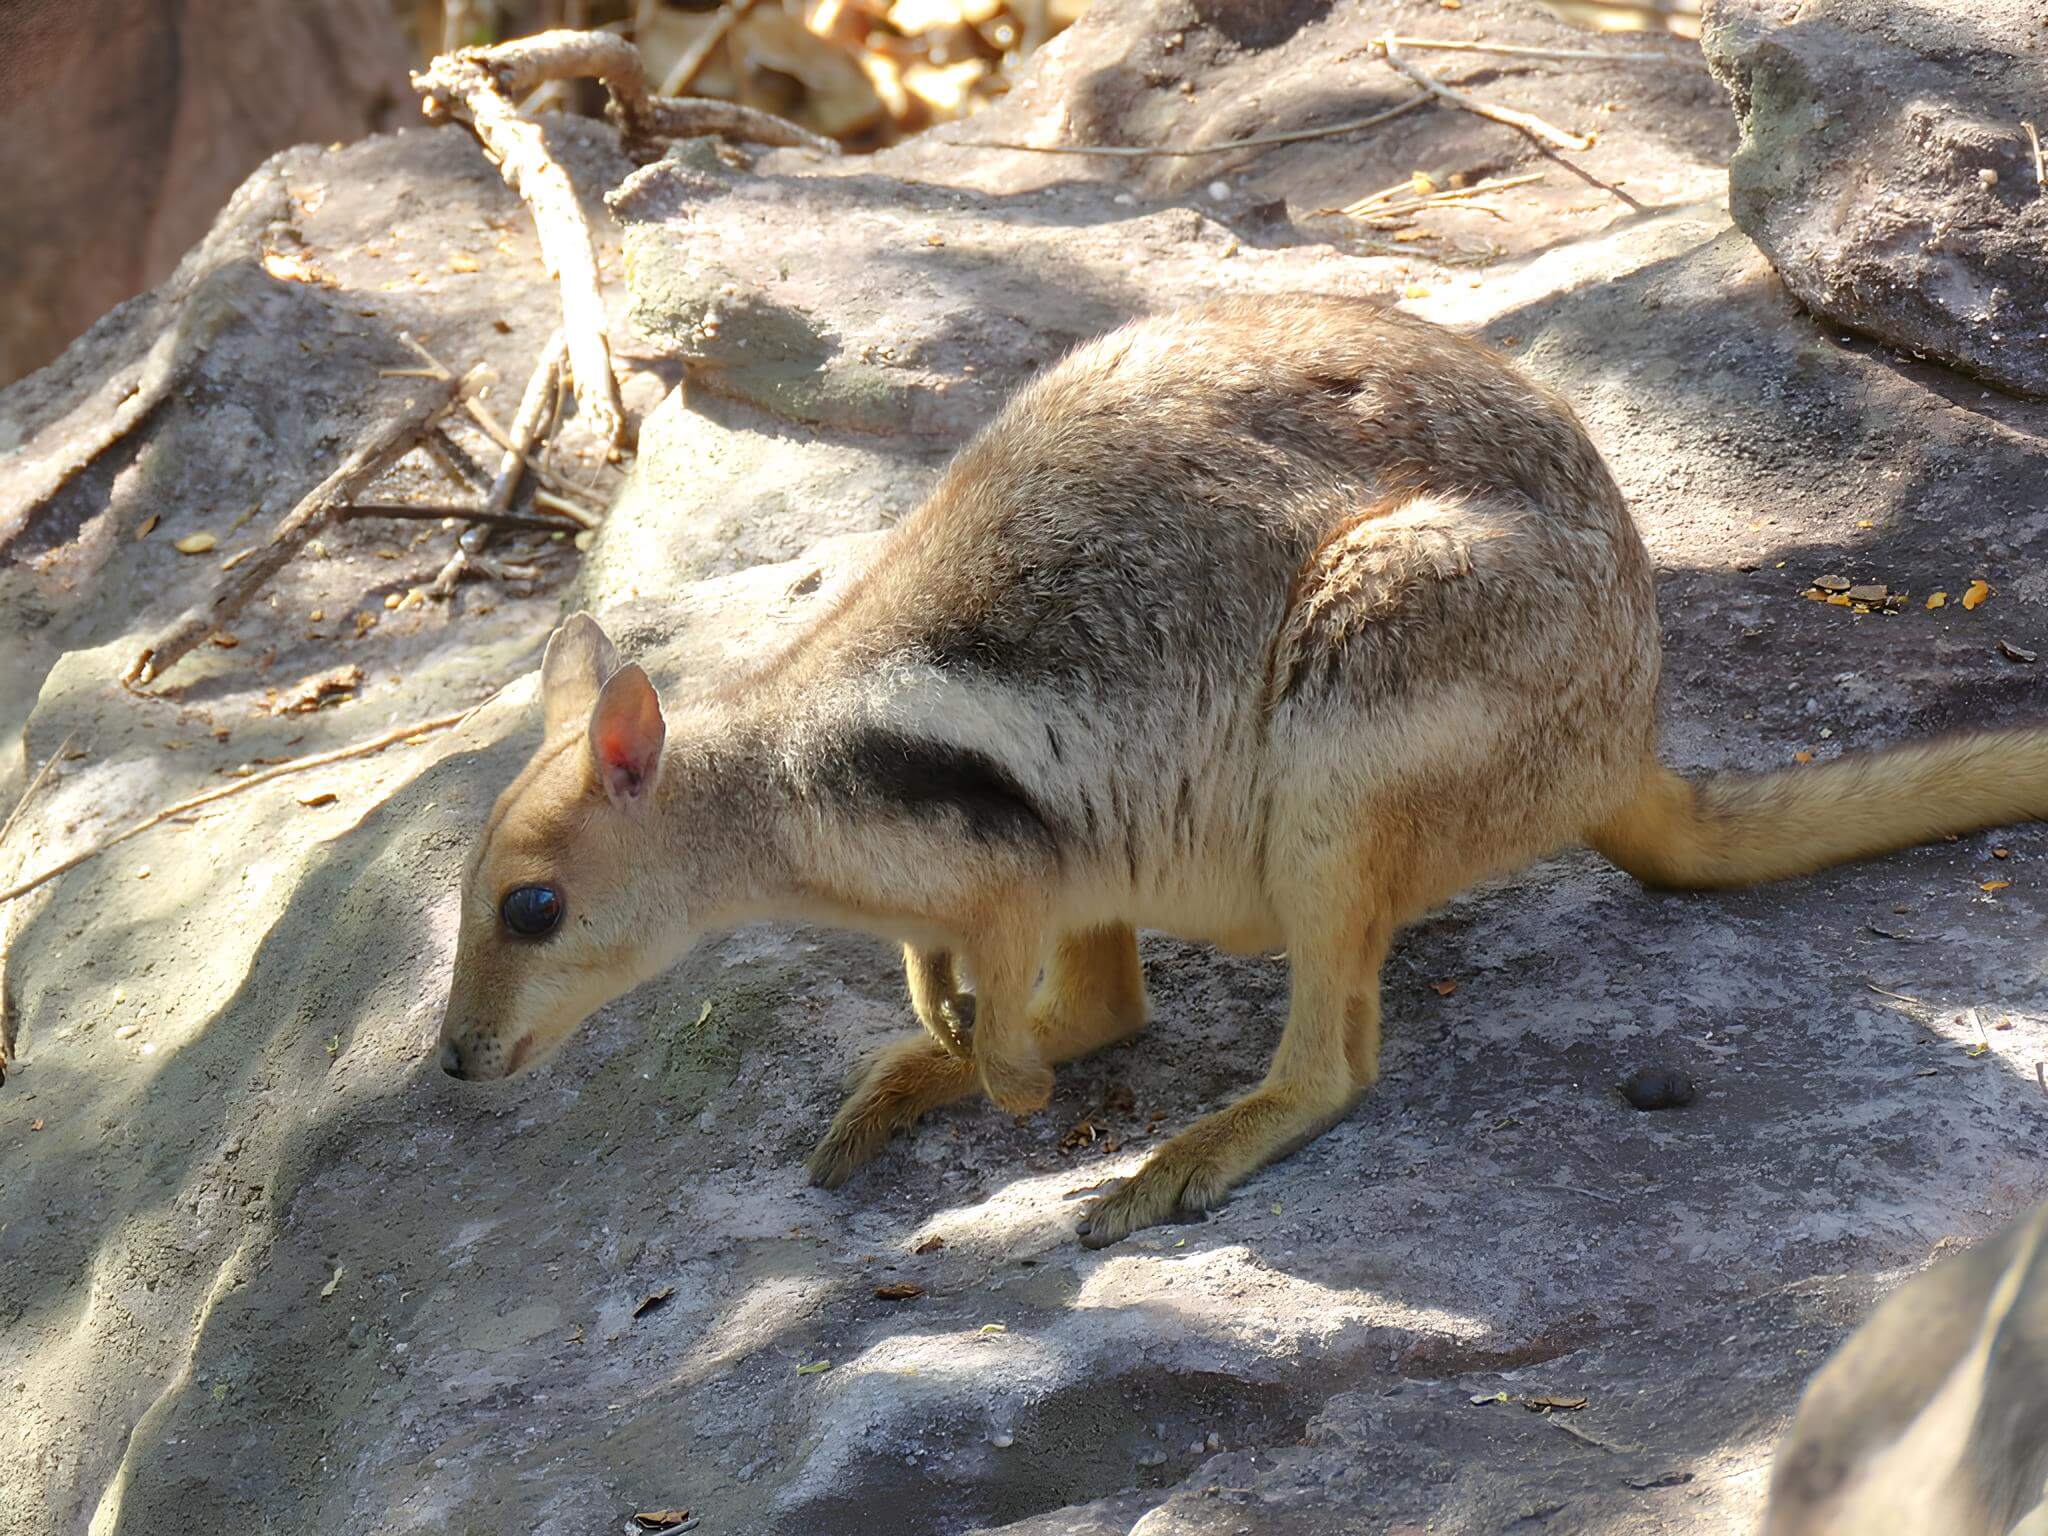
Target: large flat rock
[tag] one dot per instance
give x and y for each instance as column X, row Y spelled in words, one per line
column 267, row 1268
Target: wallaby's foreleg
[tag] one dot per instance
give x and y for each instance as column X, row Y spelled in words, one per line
column 941, row 1003
column 1328, row 1051
column 1092, row 995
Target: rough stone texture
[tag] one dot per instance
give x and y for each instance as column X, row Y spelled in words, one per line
column 125, row 124
column 1934, row 1417
column 1885, row 170
column 267, row 1269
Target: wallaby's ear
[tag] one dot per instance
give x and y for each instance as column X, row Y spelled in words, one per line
column 580, row 657
column 626, row 733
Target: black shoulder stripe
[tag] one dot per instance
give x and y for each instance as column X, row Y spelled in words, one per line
column 931, row 778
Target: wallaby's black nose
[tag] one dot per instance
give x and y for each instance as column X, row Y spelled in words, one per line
column 451, row 1059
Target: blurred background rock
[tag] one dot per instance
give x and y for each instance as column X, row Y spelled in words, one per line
column 125, row 124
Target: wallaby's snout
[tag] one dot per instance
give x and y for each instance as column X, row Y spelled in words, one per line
column 451, row 1060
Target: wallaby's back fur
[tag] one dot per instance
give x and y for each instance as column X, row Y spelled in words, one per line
column 1272, row 622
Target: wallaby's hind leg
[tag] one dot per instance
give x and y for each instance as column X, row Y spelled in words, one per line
column 1093, row 995
column 1313, row 1078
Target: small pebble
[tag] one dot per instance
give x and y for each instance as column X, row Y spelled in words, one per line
column 127, row 1031
column 1988, row 176
column 1002, row 1439
column 1219, row 190
column 1657, row 1088
column 1152, row 1457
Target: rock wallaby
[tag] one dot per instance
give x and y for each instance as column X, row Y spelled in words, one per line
column 1271, row 623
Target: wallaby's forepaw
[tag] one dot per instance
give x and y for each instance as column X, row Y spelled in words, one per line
column 1017, row 1087
column 1172, row 1186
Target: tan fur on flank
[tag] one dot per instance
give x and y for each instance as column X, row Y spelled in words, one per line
column 1272, row 623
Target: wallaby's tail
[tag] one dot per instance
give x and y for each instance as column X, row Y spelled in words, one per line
column 1747, row 828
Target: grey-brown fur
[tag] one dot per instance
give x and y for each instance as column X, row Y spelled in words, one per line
column 1272, row 622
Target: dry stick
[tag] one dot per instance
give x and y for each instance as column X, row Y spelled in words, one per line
column 495, row 431
column 1522, row 51
column 1144, row 151
column 535, row 406
column 694, row 58
column 34, row 784
column 434, row 512
column 184, row 807
column 566, row 246
column 159, row 369
column 1535, row 127
column 2040, row 173
column 7, row 919
column 577, row 513
column 1383, row 205
column 313, row 513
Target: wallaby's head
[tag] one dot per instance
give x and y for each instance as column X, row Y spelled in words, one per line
column 566, row 903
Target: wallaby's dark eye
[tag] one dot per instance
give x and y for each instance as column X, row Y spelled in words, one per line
column 532, row 910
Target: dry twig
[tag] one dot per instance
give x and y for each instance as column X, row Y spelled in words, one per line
column 135, row 397
column 691, row 64
column 2040, row 172
column 1692, row 60
column 1148, row 151
column 1535, row 127
column 535, row 407
column 184, row 807
column 434, row 512
column 1387, row 205
column 313, row 513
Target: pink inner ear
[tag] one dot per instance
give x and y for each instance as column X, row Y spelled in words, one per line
column 627, row 732
column 622, row 749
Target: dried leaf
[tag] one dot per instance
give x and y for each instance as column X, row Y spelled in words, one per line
column 931, row 1244
column 2020, row 653
column 462, row 261
column 1443, row 988
column 1937, row 599
column 899, row 1290
column 1802, row 757
column 653, row 1299
column 35, row 1125
column 1415, row 291
column 815, row 1368
column 1832, row 583
column 332, row 1285
column 1975, row 594
column 195, row 544
column 1994, row 885
column 148, row 523
column 1547, row 1400
column 289, row 268
column 320, row 797
column 660, row 1519
column 317, row 690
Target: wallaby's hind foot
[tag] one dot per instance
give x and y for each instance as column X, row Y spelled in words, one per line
column 903, row 1080
column 1332, row 1017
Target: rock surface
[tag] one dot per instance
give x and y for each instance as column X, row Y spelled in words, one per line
column 267, row 1269
column 1885, row 168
